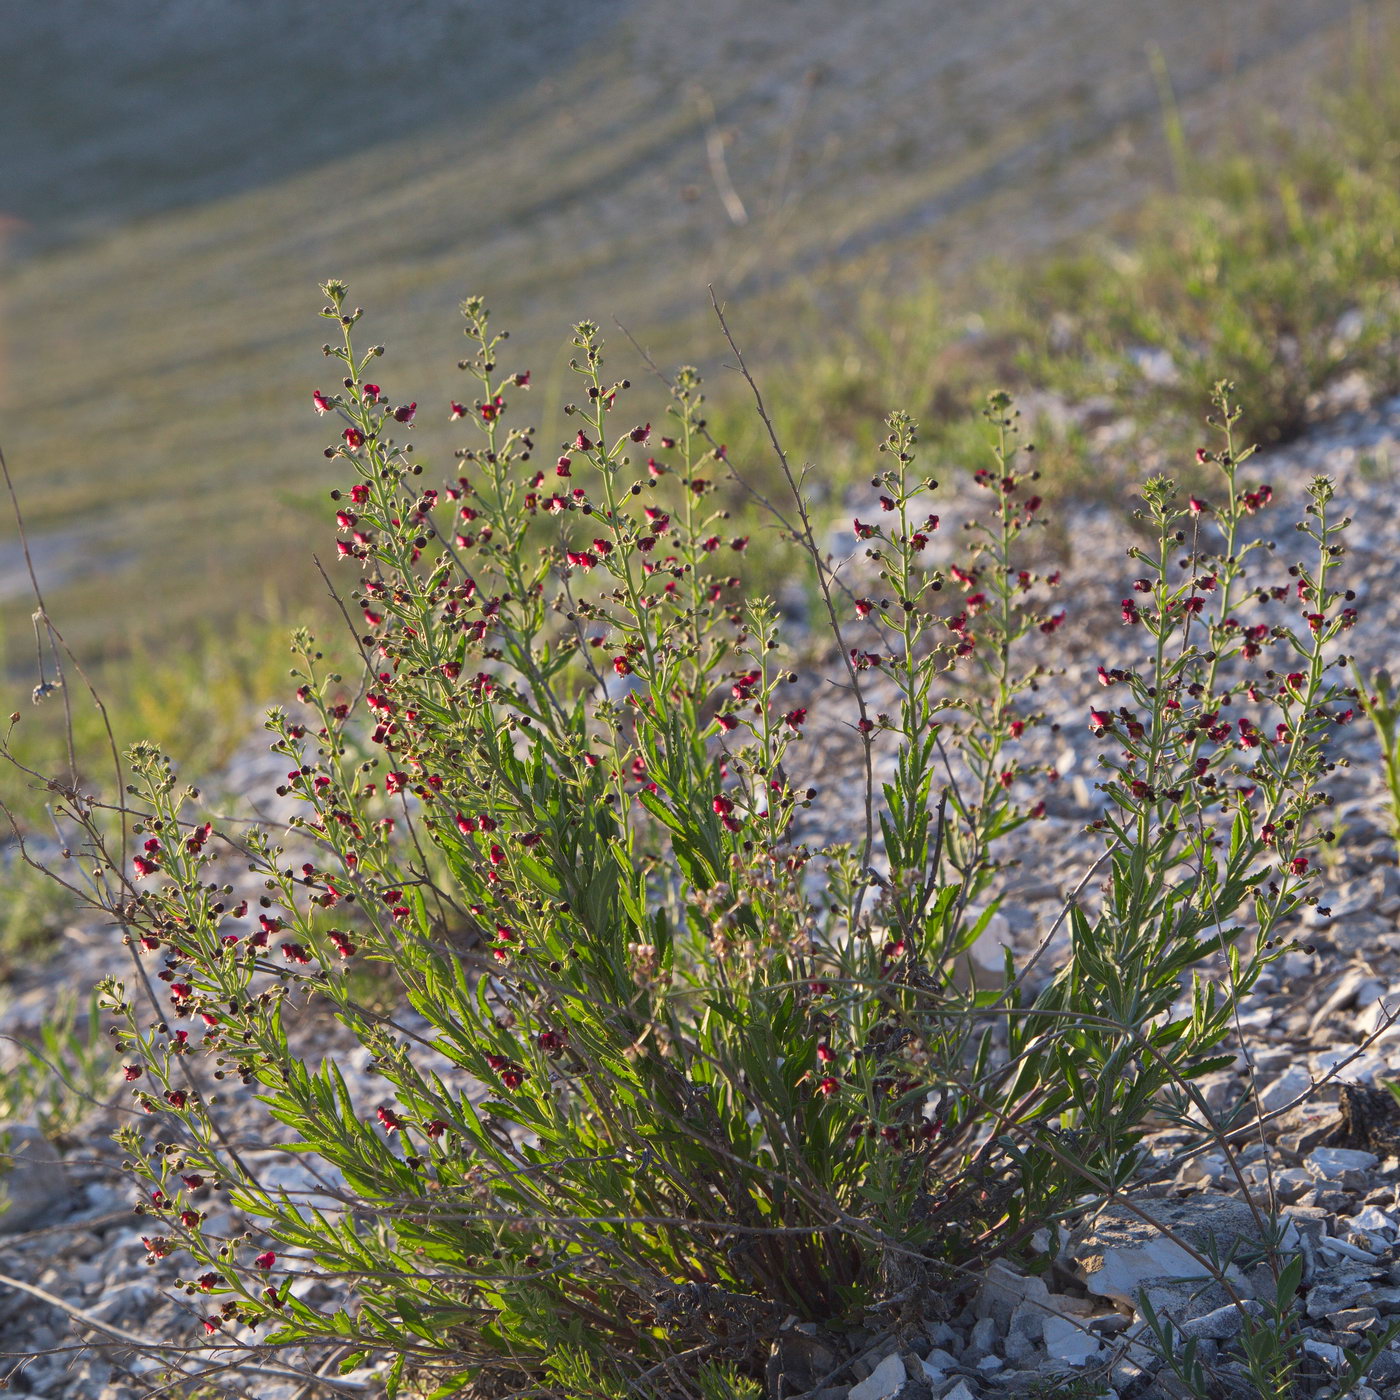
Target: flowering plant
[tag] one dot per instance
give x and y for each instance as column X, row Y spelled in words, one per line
column 665, row 1065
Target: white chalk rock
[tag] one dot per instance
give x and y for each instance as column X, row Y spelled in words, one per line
column 882, row 1382
column 1328, row 1163
column 1066, row 1340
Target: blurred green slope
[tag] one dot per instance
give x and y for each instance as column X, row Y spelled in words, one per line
column 154, row 404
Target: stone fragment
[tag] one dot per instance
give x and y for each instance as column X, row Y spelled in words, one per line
column 1018, row 1348
column 960, row 1391
column 1378, row 1018
column 1297, row 965
column 1331, row 1203
column 1016, row 1382
column 1119, row 1253
column 1355, row 986
column 1385, row 1369
column 1373, row 1220
column 1330, row 1163
column 1344, row 1249
column 1292, row 1182
column 1207, row 1170
column 1219, row 1325
column 1109, row 1324
column 1305, row 1228
column 1128, row 1378
column 1003, row 1292
column 1325, row 1352
column 33, row 1179
column 1353, row 1319
column 938, row 1363
column 940, row 1334
column 864, row 1364
column 1069, row 1306
column 125, row 1300
column 1303, row 1128
column 883, row 1382
column 918, row 1386
column 1291, row 1084
column 1336, row 1290
column 801, row 1360
column 1207, row 1352
column 1069, row 1341
column 1269, row 1061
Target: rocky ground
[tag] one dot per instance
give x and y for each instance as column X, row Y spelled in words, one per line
column 1318, row 1048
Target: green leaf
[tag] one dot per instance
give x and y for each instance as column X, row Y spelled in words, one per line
column 394, row 1380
